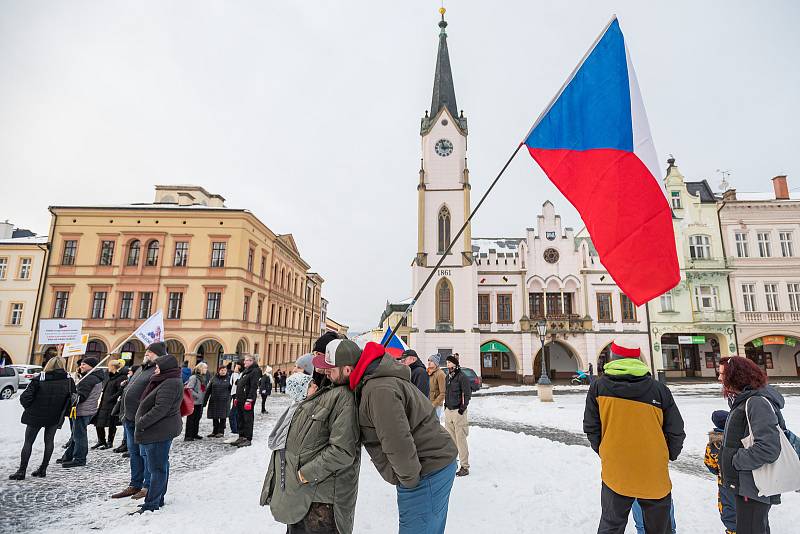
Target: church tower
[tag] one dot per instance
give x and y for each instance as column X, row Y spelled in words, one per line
column 445, row 317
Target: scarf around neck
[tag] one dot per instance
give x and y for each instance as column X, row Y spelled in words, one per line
column 156, row 380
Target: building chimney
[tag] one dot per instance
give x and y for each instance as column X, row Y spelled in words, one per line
column 730, row 194
column 781, row 187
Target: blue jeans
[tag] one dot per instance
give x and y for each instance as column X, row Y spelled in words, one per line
column 234, row 419
column 638, row 518
column 423, row 509
column 79, row 443
column 140, row 474
column 157, row 458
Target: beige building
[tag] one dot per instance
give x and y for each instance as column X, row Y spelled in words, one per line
column 760, row 232
column 227, row 285
column 390, row 318
column 336, row 326
column 22, row 259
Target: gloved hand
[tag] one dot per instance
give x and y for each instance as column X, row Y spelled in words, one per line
column 461, row 409
column 248, row 405
column 235, row 403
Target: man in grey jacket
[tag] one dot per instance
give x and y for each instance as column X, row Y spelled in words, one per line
column 131, row 396
column 89, row 389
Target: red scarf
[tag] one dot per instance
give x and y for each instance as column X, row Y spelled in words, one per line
column 371, row 352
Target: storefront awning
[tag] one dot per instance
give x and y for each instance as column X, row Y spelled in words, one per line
column 494, row 346
column 775, row 340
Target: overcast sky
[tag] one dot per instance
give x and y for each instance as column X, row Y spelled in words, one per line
column 307, row 113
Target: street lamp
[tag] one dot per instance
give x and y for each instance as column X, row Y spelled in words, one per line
column 541, row 329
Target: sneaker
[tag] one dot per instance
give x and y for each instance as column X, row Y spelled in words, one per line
column 127, row 492
column 74, row 463
column 141, row 494
column 462, row 472
column 231, row 441
column 244, row 443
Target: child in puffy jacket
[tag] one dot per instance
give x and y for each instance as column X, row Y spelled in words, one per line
column 726, row 499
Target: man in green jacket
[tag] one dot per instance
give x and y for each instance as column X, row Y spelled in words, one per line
column 404, row 438
column 312, row 481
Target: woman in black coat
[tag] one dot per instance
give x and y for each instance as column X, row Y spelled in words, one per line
column 112, row 389
column 45, row 401
column 218, row 400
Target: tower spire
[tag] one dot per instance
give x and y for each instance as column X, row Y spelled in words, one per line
column 444, row 93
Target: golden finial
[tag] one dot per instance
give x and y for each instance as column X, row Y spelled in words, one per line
column 442, row 11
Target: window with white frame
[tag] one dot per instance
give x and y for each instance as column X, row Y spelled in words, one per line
column 794, row 296
column 25, row 268
column 764, row 246
column 771, row 293
column 218, row 254
column 16, row 314
column 3, row 268
column 667, row 304
column 706, row 298
column 126, row 305
column 787, row 247
column 99, row 304
column 213, row 301
column 749, row 297
column 699, row 247
column 60, row 304
column 675, row 199
column 742, row 249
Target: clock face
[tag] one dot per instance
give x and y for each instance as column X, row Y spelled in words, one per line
column 444, row 147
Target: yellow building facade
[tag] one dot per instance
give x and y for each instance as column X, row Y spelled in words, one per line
column 223, row 280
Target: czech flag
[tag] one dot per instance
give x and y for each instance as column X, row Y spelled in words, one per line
column 593, row 142
column 395, row 347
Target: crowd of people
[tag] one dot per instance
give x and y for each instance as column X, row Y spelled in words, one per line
column 412, row 419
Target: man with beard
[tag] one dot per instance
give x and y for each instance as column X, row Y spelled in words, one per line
column 312, row 481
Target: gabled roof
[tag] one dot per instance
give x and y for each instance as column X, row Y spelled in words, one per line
column 703, row 190
column 290, row 242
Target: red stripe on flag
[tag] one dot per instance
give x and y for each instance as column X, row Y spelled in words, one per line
column 625, row 212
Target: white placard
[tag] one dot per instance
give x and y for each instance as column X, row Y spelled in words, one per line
column 684, row 340
column 60, row 331
column 76, row 349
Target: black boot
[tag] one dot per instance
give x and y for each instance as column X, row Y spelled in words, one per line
column 122, row 448
column 99, row 444
column 19, row 475
column 41, row 472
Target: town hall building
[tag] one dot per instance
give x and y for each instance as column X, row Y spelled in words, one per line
column 486, row 298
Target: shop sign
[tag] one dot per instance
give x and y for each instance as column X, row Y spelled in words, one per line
column 758, row 342
column 773, row 340
column 691, row 340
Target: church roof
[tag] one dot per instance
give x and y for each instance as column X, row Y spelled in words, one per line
column 444, row 92
column 507, row 247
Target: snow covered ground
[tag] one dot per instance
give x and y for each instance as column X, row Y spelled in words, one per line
column 519, row 483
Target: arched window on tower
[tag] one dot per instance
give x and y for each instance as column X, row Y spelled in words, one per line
column 444, row 303
column 444, row 229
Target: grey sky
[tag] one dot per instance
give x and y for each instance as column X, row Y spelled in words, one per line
column 307, row 113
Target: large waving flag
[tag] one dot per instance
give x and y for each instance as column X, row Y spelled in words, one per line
column 593, row 142
column 395, row 347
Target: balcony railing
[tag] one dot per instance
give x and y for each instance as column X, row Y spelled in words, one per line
column 706, row 263
column 563, row 322
column 770, row 317
column 713, row 316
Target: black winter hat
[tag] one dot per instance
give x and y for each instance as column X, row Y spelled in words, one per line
column 453, row 359
column 324, row 339
column 166, row 362
column 719, row 418
column 159, row 348
column 91, row 361
column 409, row 352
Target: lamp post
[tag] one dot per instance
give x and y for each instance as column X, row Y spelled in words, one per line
column 544, row 386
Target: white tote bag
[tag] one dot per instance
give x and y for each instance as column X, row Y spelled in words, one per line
column 782, row 475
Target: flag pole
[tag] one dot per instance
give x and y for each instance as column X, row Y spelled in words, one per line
column 392, row 331
column 107, row 357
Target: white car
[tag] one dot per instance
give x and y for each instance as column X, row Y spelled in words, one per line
column 9, row 382
column 25, row 373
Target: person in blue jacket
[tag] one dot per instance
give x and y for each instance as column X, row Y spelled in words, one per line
column 186, row 372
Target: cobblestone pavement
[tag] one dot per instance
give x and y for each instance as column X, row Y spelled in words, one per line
column 25, row 505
